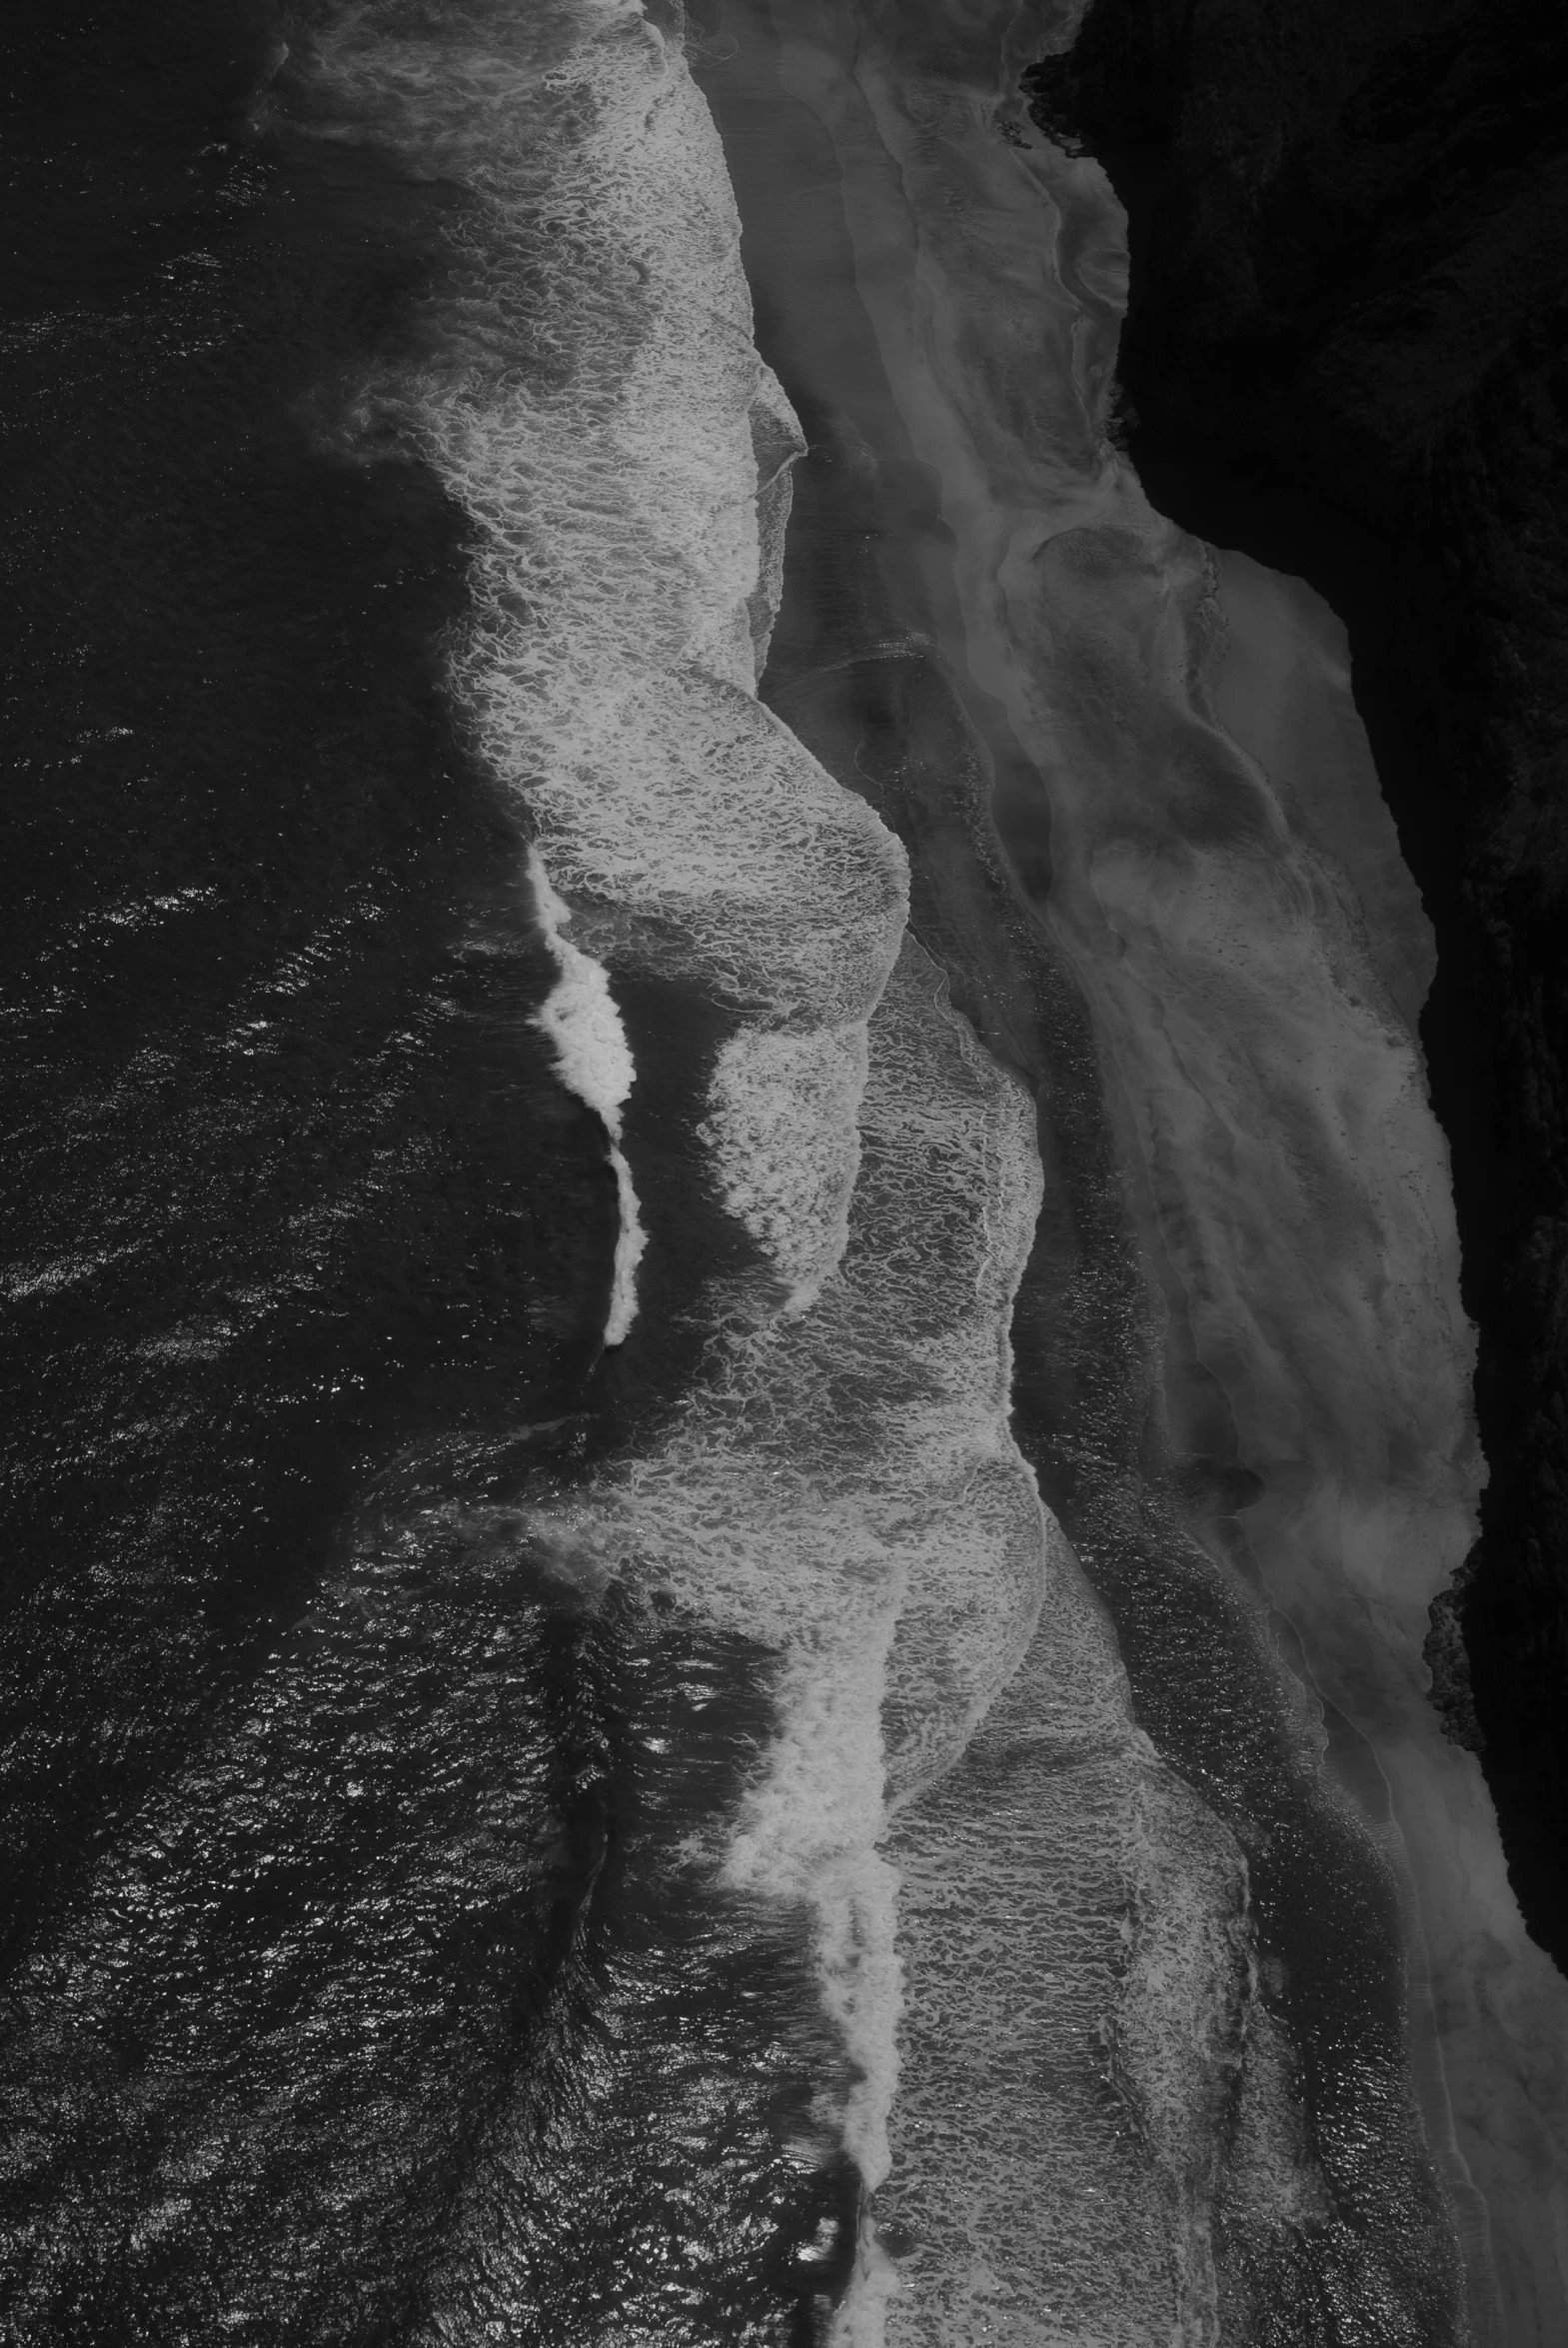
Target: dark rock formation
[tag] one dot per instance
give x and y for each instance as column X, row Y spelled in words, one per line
column 1346, row 353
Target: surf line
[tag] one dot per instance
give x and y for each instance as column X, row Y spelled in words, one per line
column 593, row 1060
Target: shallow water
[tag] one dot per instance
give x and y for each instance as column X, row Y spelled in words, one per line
column 1132, row 668
column 831, row 1743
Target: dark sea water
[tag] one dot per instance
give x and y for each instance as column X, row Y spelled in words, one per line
column 334, row 1845
column 657, row 1689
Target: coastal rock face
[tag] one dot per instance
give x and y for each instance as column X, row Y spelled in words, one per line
column 1345, row 352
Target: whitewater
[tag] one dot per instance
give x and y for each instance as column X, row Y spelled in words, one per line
column 1062, row 2075
column 842, row 1482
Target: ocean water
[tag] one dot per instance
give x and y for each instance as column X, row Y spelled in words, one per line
column 733, row 1361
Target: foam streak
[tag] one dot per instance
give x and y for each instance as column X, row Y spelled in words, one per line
column 595, row 1062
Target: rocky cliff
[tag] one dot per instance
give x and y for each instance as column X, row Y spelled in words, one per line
column 1346, row 352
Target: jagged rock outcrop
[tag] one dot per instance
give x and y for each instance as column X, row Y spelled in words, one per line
column 1346, row 352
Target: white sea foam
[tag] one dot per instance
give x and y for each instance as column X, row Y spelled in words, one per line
column 844, row 1487
column 784, row 1130
column 595, row 1062
column 779, row 443
column 599, row 408
column 1089, row 2084
column 595, row 403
